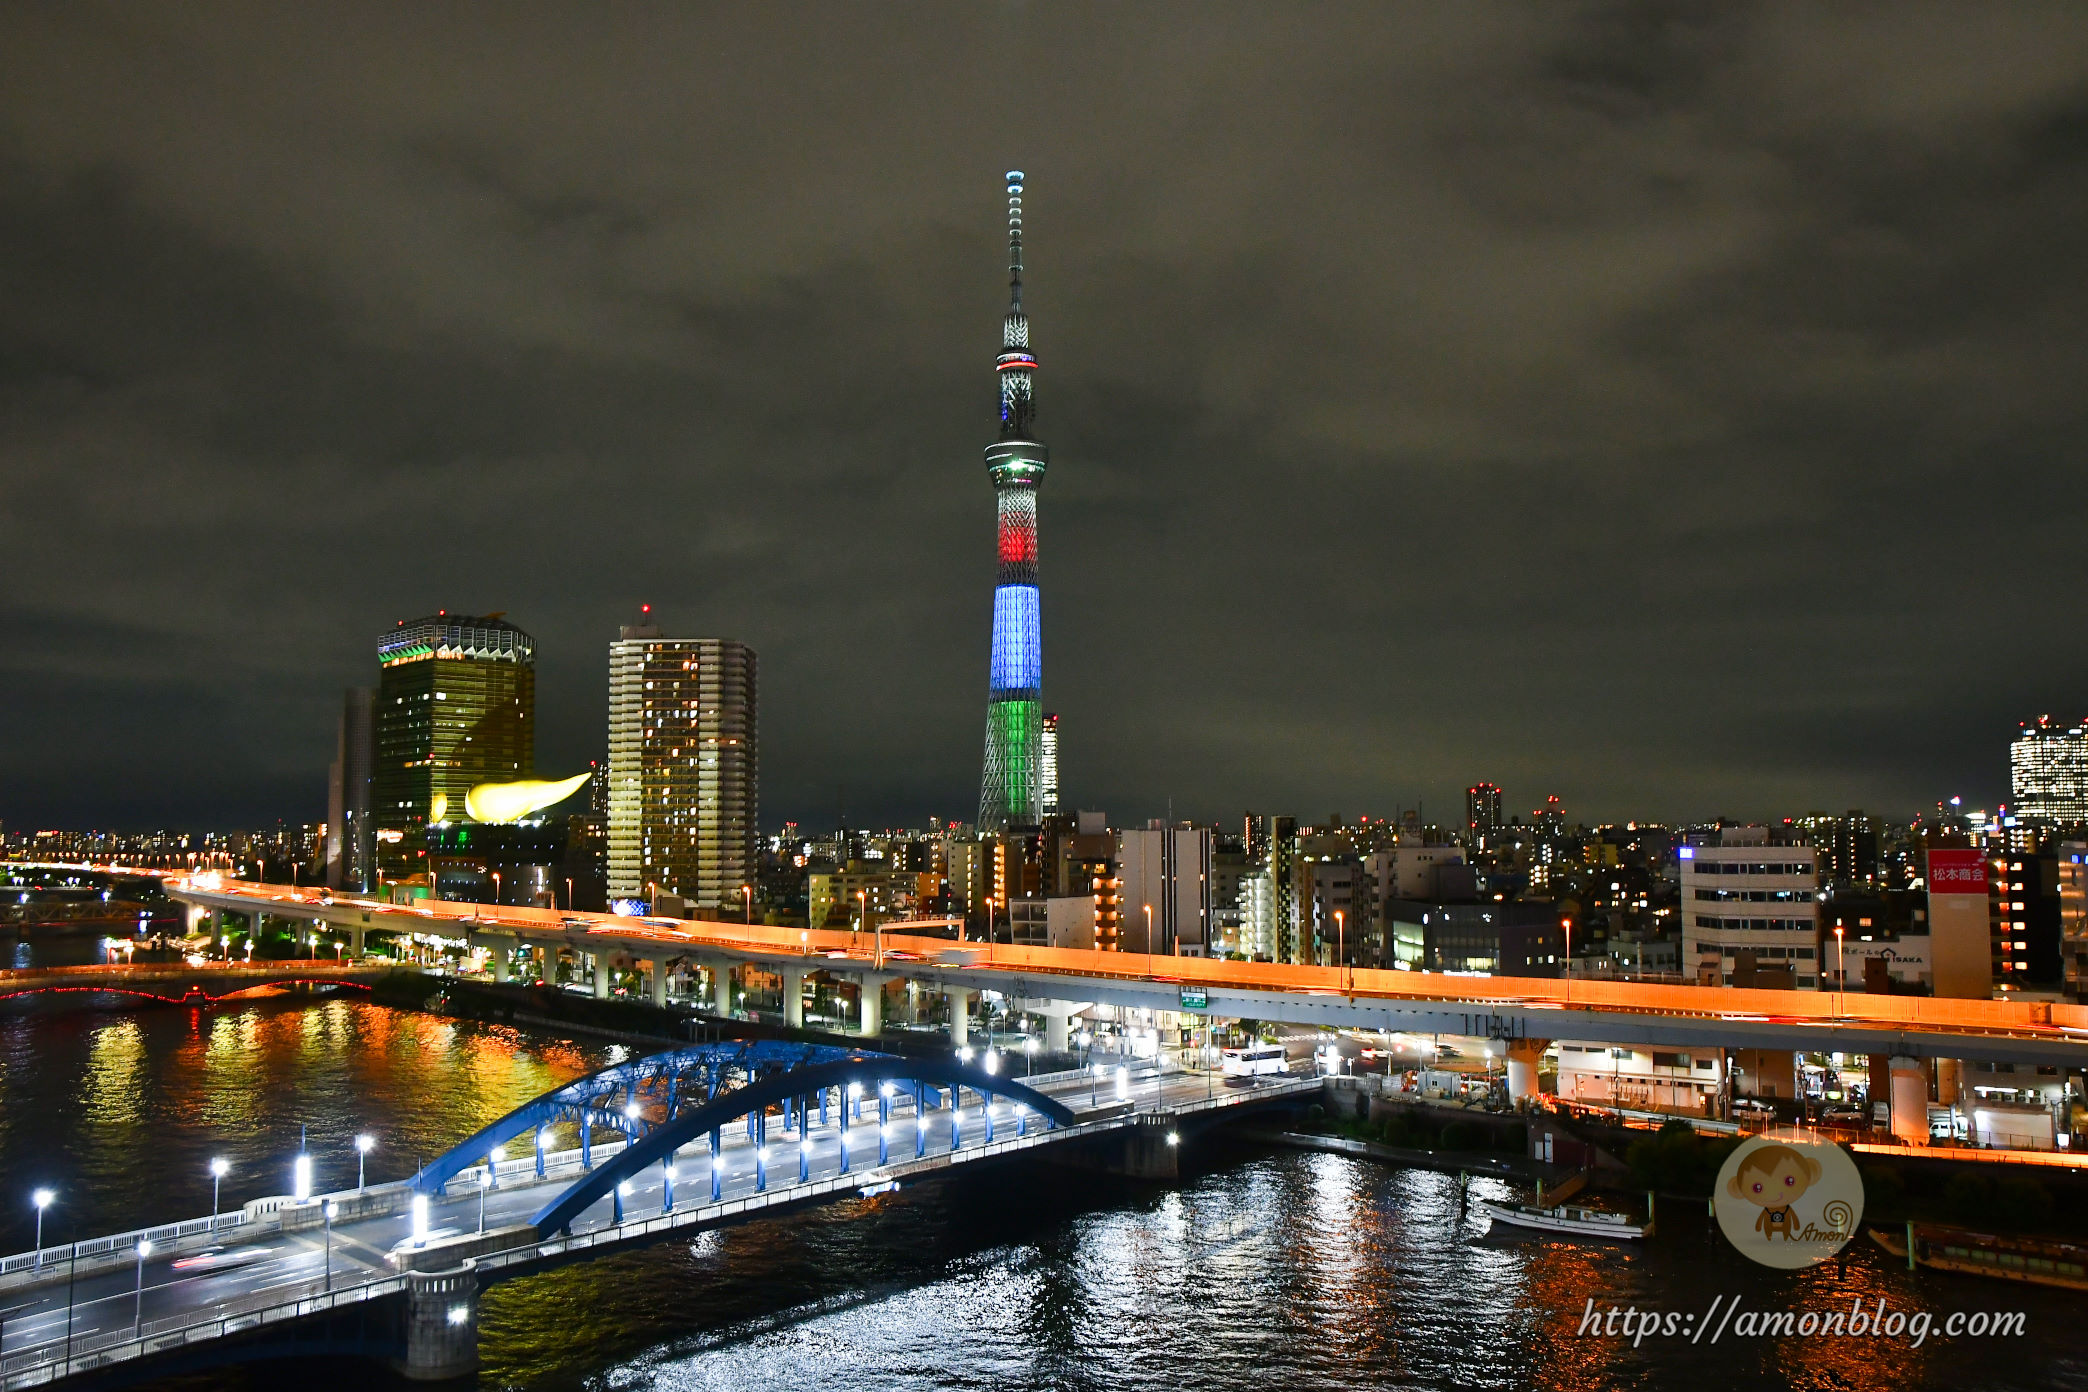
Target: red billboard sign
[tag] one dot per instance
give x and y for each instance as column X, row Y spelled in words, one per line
column 1957, row 872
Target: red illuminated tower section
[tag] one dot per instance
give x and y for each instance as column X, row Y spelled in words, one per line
column 1011, row 787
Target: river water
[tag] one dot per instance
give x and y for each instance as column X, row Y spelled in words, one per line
column 1263, row 1269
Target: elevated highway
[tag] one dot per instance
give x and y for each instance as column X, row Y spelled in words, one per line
column 1499, row 1007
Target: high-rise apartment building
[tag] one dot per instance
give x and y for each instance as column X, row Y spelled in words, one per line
column 456, row 707
column 2026, row 917
column 1848, row 846
column 1048, row 763
column 351, row 837
column 683, row 768
column 2048, row 772
column 1087, row 866
column 2071, row 866
column 1269, row 918
column 1164, row 874
column 1482, row 811
column 1744, row 891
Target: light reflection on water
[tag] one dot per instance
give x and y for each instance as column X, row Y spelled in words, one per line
column 1270, row 1270
column 1263, row 1270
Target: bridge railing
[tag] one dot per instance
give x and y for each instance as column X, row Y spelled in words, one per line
column 162, row 1238
column 61, row 1357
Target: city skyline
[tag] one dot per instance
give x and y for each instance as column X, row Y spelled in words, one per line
column 1394, row 456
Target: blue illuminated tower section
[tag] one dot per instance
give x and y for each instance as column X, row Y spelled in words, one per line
column 1012, row 786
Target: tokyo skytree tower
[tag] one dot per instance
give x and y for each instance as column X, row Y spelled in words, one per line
column 1011, row 787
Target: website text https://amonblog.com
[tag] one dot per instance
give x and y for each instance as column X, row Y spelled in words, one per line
column 1728, row 1318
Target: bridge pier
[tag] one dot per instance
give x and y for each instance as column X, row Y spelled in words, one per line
column 721, row 988
column 1524, row 1057
column 500, row 963
column 656, row 982
column 794, row 997
column 960, row 1015
column 601, row 975
column 441, row 1324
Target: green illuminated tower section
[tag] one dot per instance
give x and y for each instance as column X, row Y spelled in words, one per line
column 1011, row 787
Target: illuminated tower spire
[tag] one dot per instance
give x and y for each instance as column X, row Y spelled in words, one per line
column 1011, row 787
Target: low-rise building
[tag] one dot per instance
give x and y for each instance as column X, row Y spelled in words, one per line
column 1744, row 890
column 1505, row 939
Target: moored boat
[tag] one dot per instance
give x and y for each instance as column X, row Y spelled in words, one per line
column 2037, row 1260
column 1563, row 1218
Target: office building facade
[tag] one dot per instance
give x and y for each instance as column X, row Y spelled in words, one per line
column 2048, row 772
column 1048, row 763
column 1744, row 891
column 456, row 707
column 1164, row 874
column 351, row 835
column 684, row 768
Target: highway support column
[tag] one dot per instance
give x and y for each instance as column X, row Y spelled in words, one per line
column 1524, row 1058
column 870, row 992
column 656, row 982
column 721, row 987
column 794, row 997
column 441, row 1324
column 960, row 1015
column 1910, row 1097
column 601, row 975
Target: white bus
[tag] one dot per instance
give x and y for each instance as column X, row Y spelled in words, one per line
column 1254, row 1059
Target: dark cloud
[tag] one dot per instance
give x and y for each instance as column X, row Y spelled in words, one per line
column 1673, row 407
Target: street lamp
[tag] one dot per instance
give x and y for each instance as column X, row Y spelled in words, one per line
column 332, row 1209
column 485, row 1183
column 747, row 890
column 138, row 1306
column 364, row 1144
column 1841, row 977
column 1340, row 938
column 301, row 1177
column 42, row 1199
column 1149, row 927
column 219, row 1168
column 496, row 886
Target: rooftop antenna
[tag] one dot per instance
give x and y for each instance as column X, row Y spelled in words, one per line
column 1015, row 181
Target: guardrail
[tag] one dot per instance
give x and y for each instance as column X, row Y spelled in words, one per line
column 165, row 1237
column 59, row 1358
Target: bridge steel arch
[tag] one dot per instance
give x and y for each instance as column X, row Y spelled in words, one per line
column 599, row 1098
column 868, row 1069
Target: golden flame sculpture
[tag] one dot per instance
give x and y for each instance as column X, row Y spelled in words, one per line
column 511, row 802
column 438, row 808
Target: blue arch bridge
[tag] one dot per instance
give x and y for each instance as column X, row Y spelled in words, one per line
column 643, row 1150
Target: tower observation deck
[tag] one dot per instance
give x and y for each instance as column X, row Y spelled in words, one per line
column 1011, row 785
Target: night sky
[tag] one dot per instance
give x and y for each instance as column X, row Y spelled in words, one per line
column 1678, row 409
